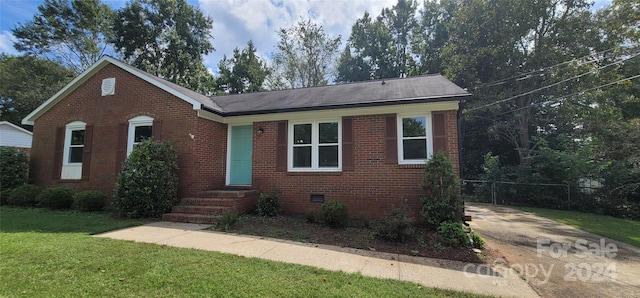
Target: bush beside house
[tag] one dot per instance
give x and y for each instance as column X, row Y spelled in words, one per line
column 147, row 185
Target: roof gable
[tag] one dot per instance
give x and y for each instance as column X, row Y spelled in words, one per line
column 193, row 98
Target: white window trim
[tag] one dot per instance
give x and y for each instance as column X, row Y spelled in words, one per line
column 429, row 137
column 314, row 146
column 133, row 123
column 71, row 170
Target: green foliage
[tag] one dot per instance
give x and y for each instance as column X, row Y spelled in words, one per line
column 167, row 38
column 334, row 214
column 476, row 240
column 14, row 168
column 268, row 204
column 58, row 197
column 304, row 55
column 453, row 234
column 73, row 32
column 228, row 220
column 89, row 201
column 621, row 174
column 311, row 216
column 147, row 185
column 24, row 195
column 26, row 82
column 243, row 73
column 442, row 201
column 395, row 226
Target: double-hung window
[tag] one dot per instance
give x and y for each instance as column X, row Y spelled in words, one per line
column 73, row 150
column 140, row 129
column 315, row 146
column 414, row 143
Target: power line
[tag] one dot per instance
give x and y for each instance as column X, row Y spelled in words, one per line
column 569, row 95
column 528, row 75
column 548, row 86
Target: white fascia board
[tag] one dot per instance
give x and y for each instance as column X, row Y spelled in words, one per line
column 333, row 113
column 138, row 73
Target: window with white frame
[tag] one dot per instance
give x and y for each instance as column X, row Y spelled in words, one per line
column 73, row 150
column 315, row 146
column 414, row 142
column 140, row 129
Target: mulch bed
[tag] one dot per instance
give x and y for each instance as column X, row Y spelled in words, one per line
column 424, row 243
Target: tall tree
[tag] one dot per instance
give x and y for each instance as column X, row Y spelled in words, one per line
column 431, row 35
column 26, row 82
column 72, row 33
column 167, row 38
column 493, row 40
column 305, row 55
column 401, row 21
column 244, row 72
column 380, row 47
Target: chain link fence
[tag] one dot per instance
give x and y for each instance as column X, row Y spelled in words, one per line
column 545, row 195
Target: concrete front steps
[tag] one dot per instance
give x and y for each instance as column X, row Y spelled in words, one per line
column 209, row 206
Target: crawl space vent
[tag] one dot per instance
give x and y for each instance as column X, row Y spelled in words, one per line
column 108, row 86
column 316, row 198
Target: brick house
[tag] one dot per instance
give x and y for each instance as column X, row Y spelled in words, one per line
column 362, row 143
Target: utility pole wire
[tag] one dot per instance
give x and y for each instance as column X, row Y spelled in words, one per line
column 548, row 86
column 565, row 96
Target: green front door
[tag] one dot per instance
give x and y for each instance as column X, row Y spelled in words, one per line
column 240, row 155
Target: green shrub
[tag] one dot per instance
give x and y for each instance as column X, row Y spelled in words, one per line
column 268, row 204
column 311, row 216
column 58, row 197
column 228, row 220
column 453, row 234
column 147, row 185
column 334, row 214
column 89, row 201
column 442, row 201
column 395, row 226
column 476, row 240
column 14, row 168
column 24, row 195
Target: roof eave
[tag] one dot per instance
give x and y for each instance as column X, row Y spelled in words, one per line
column 346, row 106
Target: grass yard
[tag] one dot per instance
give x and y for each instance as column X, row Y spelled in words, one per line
column 625, row 230
column 51, row 254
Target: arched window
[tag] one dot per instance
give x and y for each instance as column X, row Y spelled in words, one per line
column 74, row 143
column 140, row 129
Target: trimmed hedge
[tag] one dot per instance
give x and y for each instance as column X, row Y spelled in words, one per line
column 14, row 168
column 58, row 197
column 24, row 195
column 90, row 200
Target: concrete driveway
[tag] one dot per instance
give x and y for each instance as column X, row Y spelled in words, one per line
column 555, row 259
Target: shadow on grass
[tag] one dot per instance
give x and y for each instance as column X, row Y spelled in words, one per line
column 16, row 220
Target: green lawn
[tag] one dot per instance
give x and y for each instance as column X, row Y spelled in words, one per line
column 40, row 258
column 625, row 230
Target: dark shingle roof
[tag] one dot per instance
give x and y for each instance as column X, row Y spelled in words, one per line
column 427, row 88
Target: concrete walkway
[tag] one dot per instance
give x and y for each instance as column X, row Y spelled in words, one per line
column 556, row 259
column 475, row 278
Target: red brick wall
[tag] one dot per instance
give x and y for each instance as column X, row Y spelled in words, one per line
column 200, row 161
column 371, row 190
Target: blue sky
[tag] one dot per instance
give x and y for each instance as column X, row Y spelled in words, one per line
column 237, row 21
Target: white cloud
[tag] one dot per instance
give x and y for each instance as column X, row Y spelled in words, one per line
column 6, row 43
column 235, row 22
